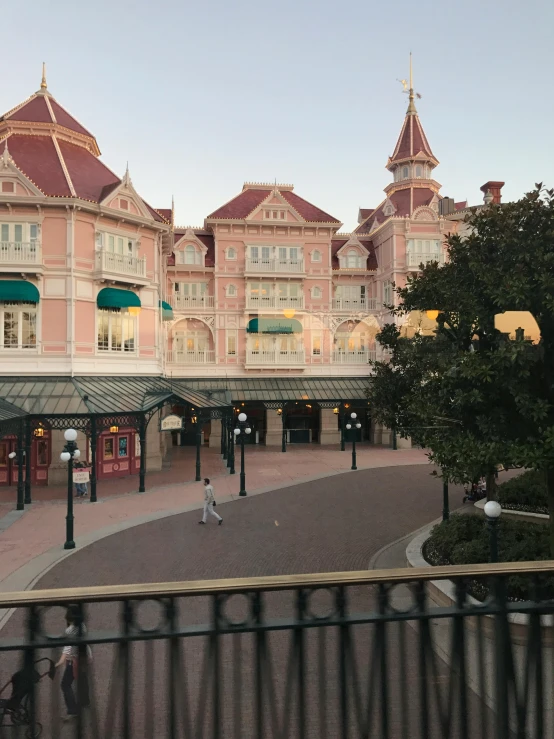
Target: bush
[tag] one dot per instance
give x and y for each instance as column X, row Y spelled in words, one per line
column 464, row 539
column 526, row 492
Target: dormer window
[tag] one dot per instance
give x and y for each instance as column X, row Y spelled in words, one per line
column 352, row 260
column 419, row 171
column 190, row 255
column 274, row 215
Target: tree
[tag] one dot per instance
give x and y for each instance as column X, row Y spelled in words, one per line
column 470, row 394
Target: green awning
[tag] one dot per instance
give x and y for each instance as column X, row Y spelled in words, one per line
column 274, row 326
column 18, row 291
column 167, row 311
column 111, row 297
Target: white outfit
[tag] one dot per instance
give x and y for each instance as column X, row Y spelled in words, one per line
column 209, row 503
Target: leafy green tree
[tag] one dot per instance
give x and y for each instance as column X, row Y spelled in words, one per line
column 469, row 394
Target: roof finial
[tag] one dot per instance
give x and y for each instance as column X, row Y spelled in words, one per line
column 43, row 85
column 411, row 105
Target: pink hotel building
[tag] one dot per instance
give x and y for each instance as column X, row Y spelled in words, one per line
column 267, row 305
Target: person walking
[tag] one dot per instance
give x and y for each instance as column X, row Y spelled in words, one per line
column 209, row 502
column 69, row 660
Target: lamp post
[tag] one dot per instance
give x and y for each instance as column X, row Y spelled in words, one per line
column 445, row 501
column 493, row 509
column 358, row 425
column 240, row 434
column 70, row 452
column 19, row 455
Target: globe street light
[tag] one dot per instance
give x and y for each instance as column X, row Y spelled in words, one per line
column 70, row 452
column 492, row 512
column 240, row 433
column 358, row 425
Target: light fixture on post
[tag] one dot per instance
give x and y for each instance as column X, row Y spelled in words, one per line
column 69, row 453
column 357, row 425
column 39, row 432
column 493, row 509
column 240, row 433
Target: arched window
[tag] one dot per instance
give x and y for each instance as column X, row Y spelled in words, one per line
column 316, row 255
column 353, row 259
column 316, row 292
column 190, row 254
column 419, row 171
column 405, row 173
column 231, row 253
column 231, row 291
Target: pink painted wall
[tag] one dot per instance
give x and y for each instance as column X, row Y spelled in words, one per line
column 54, row 320
column 54, row 234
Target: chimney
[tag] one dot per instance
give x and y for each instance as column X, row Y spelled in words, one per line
column 495, row 189
column 446, row 206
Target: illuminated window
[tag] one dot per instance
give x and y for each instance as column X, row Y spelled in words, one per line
column 18, row 326
column 116, row 331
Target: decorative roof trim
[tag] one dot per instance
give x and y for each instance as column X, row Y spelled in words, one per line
column 64, row 167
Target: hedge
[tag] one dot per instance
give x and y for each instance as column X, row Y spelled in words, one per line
column 526, row 492
column 464, row 539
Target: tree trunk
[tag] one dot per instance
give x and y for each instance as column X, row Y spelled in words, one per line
column 549, row 474
column 491, row 485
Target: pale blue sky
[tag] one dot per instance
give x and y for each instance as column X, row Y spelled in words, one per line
column 202, row 96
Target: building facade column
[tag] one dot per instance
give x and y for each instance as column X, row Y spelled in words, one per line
column 329, row 432
column 273, row 427
column 215, row 433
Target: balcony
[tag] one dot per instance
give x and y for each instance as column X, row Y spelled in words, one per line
column 183, row 357
column 362, row 653
column 274, row 357
column 191, row 302
column 274, row 302
column 19, row 256
column 363, row 356
column 364, row 305
column 120, row 268
column 274, row 266
column 415, row 259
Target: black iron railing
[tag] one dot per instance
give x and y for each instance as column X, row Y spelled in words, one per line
column 384, row 654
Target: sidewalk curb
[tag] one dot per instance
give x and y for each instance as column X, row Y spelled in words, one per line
column 372, row 565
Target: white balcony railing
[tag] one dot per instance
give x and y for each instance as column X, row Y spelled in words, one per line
column 201, row 356
column 274, row 302
column 275, row 265
column 19, row 252
column 414, row 259
column 182, row 302
column 361, row 356
column 275, row 357
column 355, row 304
column 121, row 264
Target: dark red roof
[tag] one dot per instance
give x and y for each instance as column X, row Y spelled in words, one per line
column 365, row 213
column 412, row 140
column 249, row 199
column 37, row 158
column 337, row 244
column 88, row 174
column 166, row 213
column 36, row 110
column 461, row 205
column 308, row 211
column 401, row 199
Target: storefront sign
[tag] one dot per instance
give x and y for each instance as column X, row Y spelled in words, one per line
column 81, row 476
column 171, row 423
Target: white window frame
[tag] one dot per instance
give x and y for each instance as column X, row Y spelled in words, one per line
column 317, row 344
column 190, row 289
column 189, row 256
column 29, row 232
column 19, row 309
column 388, row 295
column 274, row 214
column 231, row 254
column 231, row 291
column 316, row 292
column 113, row 317
column 117, row 243
column 315, row 255
column 231, row 342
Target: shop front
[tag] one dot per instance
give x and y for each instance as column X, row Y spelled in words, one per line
column 118, row 453
column 40, row 459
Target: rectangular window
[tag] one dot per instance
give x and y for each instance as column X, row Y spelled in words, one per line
column 316, row 345
column 388, row 297
column 122, row 447
column 117, row 244
column 231, row 343
column 108, row 448
column 19, row 233
column 5, row 232
column 116, row 331
column 18, row 326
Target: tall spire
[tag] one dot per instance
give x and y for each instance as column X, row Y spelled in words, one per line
column 411, row 105
column 43, row 85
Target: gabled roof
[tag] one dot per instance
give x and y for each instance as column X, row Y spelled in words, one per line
column 250, row 198
column 204, row 237
column 337, row 244
column 402, row 200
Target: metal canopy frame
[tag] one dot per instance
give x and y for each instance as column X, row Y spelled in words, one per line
column 91, row 405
